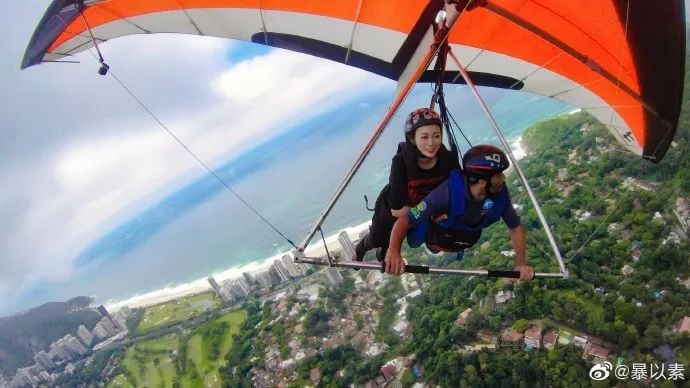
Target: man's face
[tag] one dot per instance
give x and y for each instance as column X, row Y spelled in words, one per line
column 496, row 183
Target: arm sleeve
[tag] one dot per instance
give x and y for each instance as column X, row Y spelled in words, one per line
column 437, row 202
column 509, row 216
column 398, row 183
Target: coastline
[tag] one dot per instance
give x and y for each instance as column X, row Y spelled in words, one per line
column 197, row 286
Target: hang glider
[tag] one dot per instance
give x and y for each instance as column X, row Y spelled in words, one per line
column 620, row 60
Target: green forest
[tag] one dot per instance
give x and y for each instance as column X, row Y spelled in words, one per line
column 633, row 314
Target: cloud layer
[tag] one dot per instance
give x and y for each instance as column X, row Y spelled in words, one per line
column 80, row 156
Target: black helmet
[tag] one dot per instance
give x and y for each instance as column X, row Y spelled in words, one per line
column 484, row 161
column 419, row 118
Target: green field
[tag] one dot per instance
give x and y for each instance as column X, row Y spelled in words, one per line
column 199, row 349
column 177, row 311
column 154, row 363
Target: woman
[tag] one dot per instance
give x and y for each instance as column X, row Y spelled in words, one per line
column 421, row 163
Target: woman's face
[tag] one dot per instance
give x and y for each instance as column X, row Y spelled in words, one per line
column 428, row 139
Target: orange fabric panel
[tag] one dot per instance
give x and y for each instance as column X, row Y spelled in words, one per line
column 575, row 27
column 590, row 27
column 390, row 14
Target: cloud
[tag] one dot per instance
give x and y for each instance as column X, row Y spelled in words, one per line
column 80, row 156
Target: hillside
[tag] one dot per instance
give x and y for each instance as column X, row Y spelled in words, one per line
column 25, row 333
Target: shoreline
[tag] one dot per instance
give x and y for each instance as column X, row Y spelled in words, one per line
column 197, row 286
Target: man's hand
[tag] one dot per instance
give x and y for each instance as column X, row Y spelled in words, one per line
column 526, row 272
column 394, row 263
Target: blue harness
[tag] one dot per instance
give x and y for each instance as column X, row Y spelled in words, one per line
column 452, row 234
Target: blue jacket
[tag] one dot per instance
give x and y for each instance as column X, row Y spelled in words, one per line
column 494, row 206
column 452, row 234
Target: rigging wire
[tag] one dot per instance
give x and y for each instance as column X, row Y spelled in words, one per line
column 201, row 162
column 328, row 254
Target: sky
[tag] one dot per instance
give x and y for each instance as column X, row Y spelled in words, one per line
column 80, row 157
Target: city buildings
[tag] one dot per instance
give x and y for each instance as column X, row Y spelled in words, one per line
column 44, row 360
column 347, row 246
column 291, row 267
column 84, row 335
column 222, row 292
column 266, row 278
column 280, row 272
column 332, row 277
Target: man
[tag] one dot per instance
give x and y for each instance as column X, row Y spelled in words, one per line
column 468, row 202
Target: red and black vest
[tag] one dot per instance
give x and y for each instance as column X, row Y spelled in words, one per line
column 421, row 182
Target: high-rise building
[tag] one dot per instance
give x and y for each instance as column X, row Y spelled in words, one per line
column 227, row 295
column 347, row 245
column 238, row 287
column 266, row 278
column 57, row 349
column 34, row 370
column 43, row 376
column 290, row 266
column 44, row 360
column 104, row 312
column 280, row 271
column 332, row 277
column 214, row 284
column 222, row 291
column 99, row 331
column 108, row 326
column 74, row 345
column 119, row 319
column 84, row 335
column 248, row 278
column 22, row 378
column 244, row 285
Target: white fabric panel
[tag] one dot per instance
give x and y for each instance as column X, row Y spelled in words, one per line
column 327, row 29
column 242, row 24
column 55, row 57
column 618, row 128
column 465, row 55
column 236, row 23
column 582, row 97
column 490, row 62
column 168, row 21
column 608, row 117
column 548, row 83
column 377, row 42
column 414, row 62
column 116, row 29
column 75, row 45
column 632, row 145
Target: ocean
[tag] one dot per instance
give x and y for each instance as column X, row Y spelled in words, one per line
column 203, row 229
